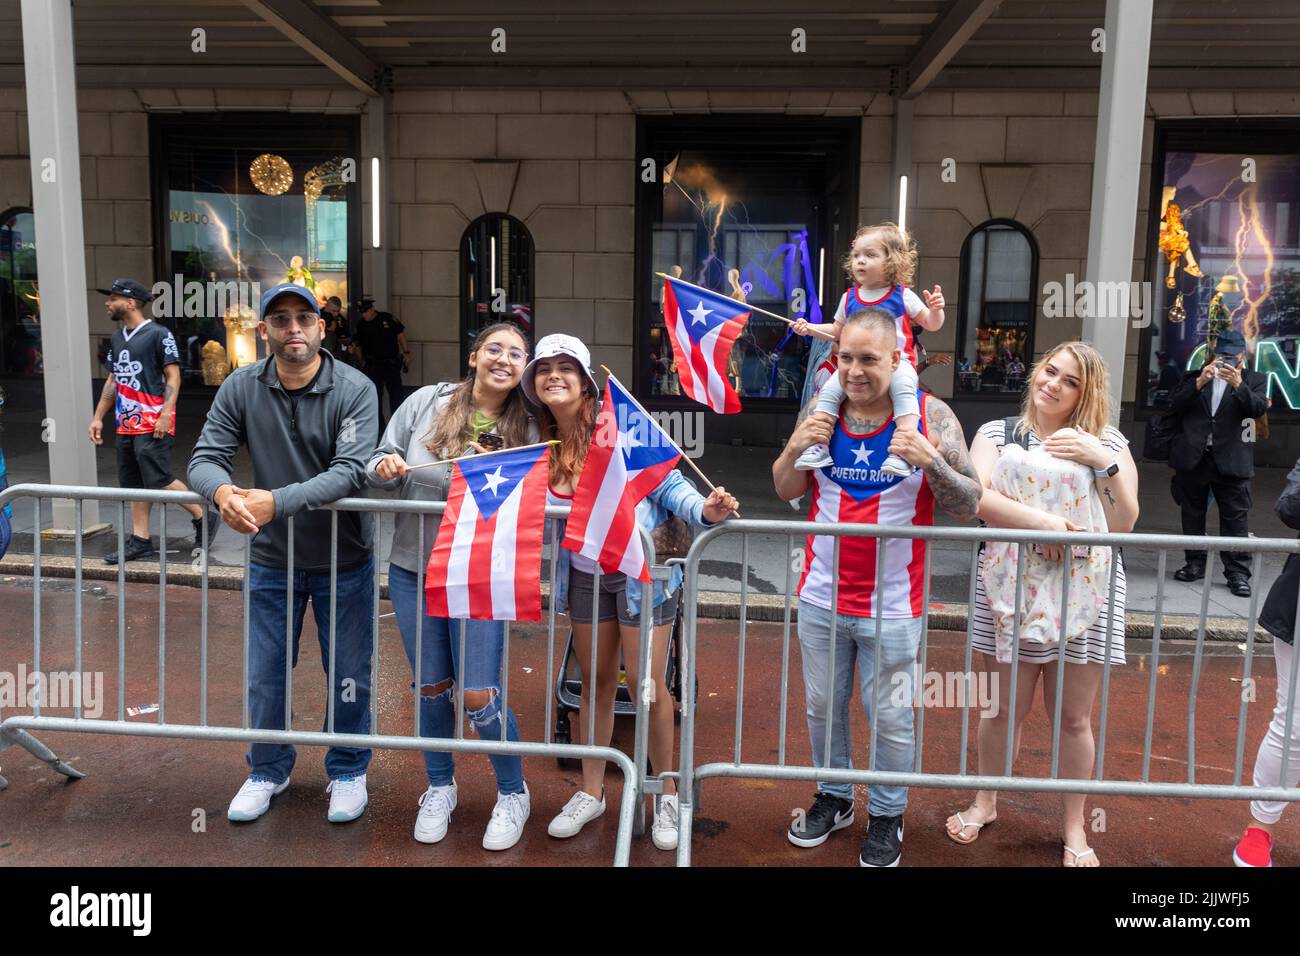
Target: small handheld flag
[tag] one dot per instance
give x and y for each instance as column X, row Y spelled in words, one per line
column 629, row 456
column 486, row 563
column 703, row 326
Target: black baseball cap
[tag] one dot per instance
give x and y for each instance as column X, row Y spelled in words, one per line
column 365, row 302
column 129, row 288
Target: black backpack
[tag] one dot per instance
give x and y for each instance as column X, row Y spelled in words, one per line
column 1160, row 431
column 1009, row 436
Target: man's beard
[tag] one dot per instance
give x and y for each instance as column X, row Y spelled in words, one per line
column 119, row 313
column 280, row 351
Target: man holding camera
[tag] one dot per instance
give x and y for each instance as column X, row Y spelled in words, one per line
column 1213, row 450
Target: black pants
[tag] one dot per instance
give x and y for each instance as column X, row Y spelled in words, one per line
column 386, row 375
column 1232, row 495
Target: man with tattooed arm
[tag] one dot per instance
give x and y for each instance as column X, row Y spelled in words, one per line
column 870, row 577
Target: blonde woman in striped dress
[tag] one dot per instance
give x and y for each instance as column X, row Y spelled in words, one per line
column 1066, row 411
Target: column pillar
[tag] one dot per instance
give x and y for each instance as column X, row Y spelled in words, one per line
column 49, row 69
column 1116, row 169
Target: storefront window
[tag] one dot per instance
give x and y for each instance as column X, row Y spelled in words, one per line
column 1225, row 253
column 247, row 199
column 20, row 299
column 496, row 268
column 996, row 336
column 754, row 210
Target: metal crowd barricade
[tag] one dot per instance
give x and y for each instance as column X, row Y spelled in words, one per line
column 17, row 729
column 691, row 777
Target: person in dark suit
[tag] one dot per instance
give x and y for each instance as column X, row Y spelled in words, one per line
column 1213, row 451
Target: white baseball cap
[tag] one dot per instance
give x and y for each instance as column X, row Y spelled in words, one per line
column 549, row 347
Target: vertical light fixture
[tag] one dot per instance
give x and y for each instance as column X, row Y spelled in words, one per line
column 902, row 203
column 374, row 202
column 492, row 266
column 821, row 277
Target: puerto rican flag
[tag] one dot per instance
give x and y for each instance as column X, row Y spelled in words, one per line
column 487, row 561
column 702, row 326
column 629, row 456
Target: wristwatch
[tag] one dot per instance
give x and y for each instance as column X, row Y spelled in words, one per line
column 1110, row 471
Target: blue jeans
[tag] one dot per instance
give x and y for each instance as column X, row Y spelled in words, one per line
column 439, row 658
column 891, row 714
column 353, row 649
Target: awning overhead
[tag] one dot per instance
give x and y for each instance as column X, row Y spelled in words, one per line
column 670, row 44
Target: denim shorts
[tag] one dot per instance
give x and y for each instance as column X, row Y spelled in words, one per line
column 613, row 600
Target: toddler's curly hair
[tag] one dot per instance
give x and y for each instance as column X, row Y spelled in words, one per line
column 900, row 252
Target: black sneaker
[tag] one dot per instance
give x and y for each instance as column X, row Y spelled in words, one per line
column 826, row 815
column 136, row 548
column 214, row 521
column 884, row 843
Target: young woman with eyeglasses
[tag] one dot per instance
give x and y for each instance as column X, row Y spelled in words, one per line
column 439, row 422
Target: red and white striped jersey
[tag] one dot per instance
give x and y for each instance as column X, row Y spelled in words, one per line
column 854, row 489
column 823, row 372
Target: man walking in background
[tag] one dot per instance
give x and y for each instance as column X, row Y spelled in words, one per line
column 143, row 384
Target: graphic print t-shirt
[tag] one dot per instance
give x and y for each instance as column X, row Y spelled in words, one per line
column 854, row 489
column 136, row 359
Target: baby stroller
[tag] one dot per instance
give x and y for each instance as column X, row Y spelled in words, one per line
column 568, row 686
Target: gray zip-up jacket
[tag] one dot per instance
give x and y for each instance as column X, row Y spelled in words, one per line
column 306, row 454
column 405, row 435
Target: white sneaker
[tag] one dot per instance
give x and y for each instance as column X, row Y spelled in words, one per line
column 254, row 798
column 581, row 809
column 507, row 823
column 436, row 805
column 348, row 798
column 664, row 829
column 893, row 465
column 814, row 457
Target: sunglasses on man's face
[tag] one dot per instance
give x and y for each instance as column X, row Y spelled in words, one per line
column 282, row 320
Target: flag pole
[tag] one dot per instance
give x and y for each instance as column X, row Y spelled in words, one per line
column 485, row 454
column 814, row 329
column 685, row 457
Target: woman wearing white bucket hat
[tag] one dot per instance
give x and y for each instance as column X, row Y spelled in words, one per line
column 559, row 382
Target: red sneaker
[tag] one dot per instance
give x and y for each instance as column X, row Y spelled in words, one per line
column 1253, row 848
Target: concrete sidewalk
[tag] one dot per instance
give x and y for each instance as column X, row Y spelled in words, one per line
column 745, row 471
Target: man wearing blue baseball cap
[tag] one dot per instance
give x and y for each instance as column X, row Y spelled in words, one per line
column 308, row 422
column 143, row 384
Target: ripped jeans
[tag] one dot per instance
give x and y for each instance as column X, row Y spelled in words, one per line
column 439, row 657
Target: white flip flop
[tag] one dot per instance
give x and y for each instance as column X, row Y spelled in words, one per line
column 1077, row 854
column 978, row 827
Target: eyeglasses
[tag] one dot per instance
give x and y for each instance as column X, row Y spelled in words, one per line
column 517, row 356
column 282, row 320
